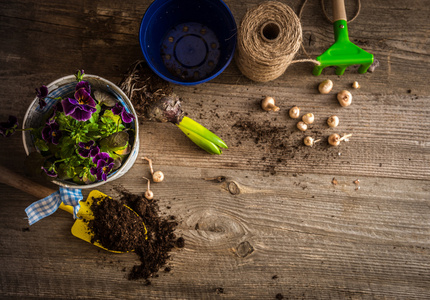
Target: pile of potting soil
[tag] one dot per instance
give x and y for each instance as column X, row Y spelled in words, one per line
column 116, row 227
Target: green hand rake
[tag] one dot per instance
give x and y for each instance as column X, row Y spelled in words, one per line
column 343, row 53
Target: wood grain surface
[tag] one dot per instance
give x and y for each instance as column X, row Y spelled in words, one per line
column 269, row 217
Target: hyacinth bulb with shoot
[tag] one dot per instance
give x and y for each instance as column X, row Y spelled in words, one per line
column 154, row 100
column 168, row 109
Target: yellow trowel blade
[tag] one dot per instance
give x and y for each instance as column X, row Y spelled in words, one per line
column 80, row 227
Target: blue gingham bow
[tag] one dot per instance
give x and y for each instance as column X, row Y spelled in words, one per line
column 48, row 205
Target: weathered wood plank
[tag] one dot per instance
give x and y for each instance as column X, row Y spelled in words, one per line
column 319, row 239
column 386, row 141
column 277, row 224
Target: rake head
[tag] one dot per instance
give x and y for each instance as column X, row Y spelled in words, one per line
column 343, row 53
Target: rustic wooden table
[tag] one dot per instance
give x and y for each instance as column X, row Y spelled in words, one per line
column 287, row 220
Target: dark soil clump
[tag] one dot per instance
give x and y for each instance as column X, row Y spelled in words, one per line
column 115, row 226
column 152, row 249
column 279, row 296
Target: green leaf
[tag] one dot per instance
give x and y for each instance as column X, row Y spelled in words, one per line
column 87, row 177
column 63, row 172
column 124, row 151
column 195, row 127
column 41, row 145
column 116, row 141
column 70, row 172
column 67, row 147
column 95, row 116
column 200, row 141
column 109, row 117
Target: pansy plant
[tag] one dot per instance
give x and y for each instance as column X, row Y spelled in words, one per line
column 82, row 139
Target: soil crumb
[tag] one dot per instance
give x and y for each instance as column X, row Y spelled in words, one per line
column 153, row 249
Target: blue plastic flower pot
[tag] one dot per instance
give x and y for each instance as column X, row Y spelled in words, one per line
column 188, row 42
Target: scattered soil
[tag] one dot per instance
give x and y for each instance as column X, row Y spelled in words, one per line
column 117, row 228
column 275, row 138
column 282, row 142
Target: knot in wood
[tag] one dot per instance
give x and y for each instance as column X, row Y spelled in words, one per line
column 233, row 188
column 244, row 249
column 218, row 227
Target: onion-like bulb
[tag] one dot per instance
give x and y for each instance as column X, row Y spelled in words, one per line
column 269, row 104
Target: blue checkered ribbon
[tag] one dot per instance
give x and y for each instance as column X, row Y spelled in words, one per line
column 48, row 205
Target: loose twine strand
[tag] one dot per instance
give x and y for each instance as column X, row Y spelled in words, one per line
column 269, row 37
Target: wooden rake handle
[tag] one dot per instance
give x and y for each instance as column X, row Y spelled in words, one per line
column 339, row 12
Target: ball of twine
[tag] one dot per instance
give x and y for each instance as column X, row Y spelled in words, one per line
column 268, row 39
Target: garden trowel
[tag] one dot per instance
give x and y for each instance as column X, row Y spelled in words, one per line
column 80, row 228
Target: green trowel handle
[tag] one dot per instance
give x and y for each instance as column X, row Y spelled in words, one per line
column 339, row 12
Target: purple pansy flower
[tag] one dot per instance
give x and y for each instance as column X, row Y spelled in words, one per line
column 83, row 85
column 42, row 93
column 50, row 173
column 88, row 149
column 126, row 117
column 9, row 127
column 51, row 133
column 82, row 107
column 57, row 108
column 104, row 164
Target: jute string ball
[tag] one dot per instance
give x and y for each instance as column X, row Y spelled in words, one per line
column 268, row 39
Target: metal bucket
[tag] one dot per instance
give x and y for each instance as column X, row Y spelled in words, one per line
column 65, row 86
